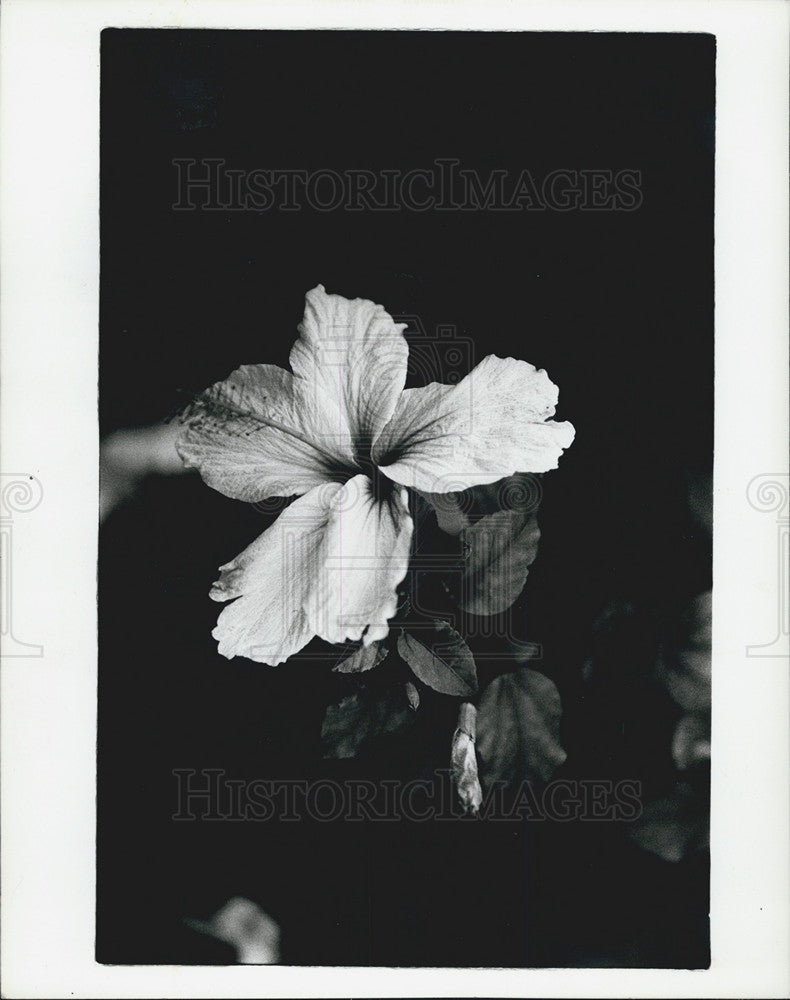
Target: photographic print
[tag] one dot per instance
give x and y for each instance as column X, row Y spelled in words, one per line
column 406, row 450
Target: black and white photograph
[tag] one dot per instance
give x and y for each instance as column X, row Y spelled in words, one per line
column 406, row 400
column 394, row 500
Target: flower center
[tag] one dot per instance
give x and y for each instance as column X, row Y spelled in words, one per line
column 382, row 486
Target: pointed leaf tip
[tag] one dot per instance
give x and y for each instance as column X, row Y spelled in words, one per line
column 441, row 659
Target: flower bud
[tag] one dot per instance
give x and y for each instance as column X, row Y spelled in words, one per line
column 464, row 760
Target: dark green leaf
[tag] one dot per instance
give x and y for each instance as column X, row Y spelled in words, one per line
column 498, row 530
column 518, row 721
column 521, row 492
column 441, row 659
column 684, row 663
column 357, row 720
column 499, row 549
column 413, row 695
column 674, row 826
column 451, row 509
column 365, row 658
column 455, row 511
column 691, row 740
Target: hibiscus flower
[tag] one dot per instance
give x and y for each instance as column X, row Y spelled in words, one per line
column 342, row 434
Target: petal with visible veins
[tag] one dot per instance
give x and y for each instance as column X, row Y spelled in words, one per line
column 265, row 432
column 493, row 423
column 365, row 555
column 255, row 435
column 354, row 358
column 270, row 581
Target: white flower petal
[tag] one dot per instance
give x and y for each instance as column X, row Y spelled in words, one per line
column 257, row 434
column 272, row 580
column 365, row 555
column 265, row 432
column 354, row 359
column 492, row 424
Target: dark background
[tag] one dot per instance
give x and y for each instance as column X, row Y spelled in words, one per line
column 617, row 306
